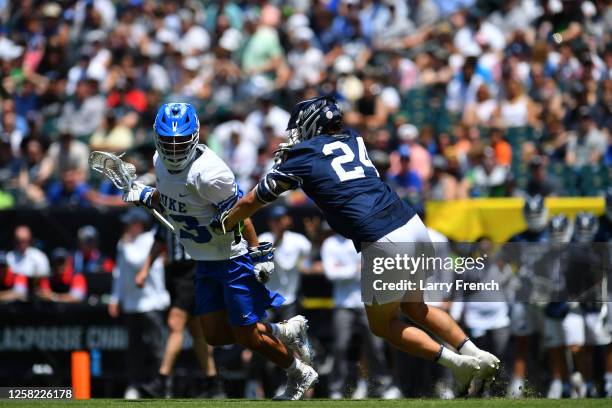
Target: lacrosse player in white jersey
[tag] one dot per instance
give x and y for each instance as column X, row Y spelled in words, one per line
column 194, row 184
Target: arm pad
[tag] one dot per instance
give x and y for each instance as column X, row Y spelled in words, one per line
column 274, row 184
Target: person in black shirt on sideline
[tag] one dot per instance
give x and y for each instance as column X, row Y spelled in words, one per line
column 180, row 277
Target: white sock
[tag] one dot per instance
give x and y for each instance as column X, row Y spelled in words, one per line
column 446, row 357
column 275, row 329
column 296, row 365
column 469, row 349
column 608, row 377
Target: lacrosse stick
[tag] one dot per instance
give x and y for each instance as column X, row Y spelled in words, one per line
column 122, row 175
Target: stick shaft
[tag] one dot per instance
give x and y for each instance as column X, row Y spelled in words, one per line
column 162, row 220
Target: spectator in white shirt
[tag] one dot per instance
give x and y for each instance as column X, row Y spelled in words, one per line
column 29, row 264
column 290, row 259
column 141, row 307
column 342, row 266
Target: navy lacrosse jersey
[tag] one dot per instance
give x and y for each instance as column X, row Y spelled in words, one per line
column 337, row 174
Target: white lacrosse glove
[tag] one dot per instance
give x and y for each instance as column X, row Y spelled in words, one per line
column 263, row 260
column 140, row 194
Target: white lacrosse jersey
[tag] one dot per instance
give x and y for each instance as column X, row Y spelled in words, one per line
column 190, row 199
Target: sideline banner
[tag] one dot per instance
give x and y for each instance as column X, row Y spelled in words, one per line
column 497, row 218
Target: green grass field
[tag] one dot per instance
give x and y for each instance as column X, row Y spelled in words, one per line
column 316, row 403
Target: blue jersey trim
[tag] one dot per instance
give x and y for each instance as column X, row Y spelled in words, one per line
column 229, row 202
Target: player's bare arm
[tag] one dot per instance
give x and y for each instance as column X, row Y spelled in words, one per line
column 249, row 233
column 156, row 250
column 244, row 208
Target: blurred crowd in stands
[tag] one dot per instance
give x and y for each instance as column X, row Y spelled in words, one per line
column 455, row 98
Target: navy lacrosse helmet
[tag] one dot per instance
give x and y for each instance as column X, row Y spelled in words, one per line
column 177, row 132
column 312, row 117
column 560, row 229
column 535, row 213
column 586, row 227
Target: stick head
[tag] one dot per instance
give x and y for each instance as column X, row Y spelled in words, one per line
column 120, row 173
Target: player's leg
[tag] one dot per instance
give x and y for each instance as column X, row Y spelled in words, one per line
column 573, row 334
column 265, row 344
column 596, row 334
column 343, row 330
column 436, row 320
column 384, row 322
column 200, row 346
column 216, row 328
column 558, row 371
column 213, row 386
column 177, row 319
column 246, row 301
column 159, row 386
column 374, row 350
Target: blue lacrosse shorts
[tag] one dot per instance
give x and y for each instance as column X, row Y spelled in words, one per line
column 231, row 285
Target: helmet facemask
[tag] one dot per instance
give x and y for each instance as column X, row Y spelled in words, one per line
column 560, row 230
column 177, row 151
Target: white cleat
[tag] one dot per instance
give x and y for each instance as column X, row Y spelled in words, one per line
column 298, row 382
column 464, row 371
column 555, row 390
column 515, row 388
column 489, row 366
column 294, row 334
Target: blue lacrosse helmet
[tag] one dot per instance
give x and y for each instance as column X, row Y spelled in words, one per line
column 313, row 117
column 586, row 227
column 535, row 213
column 177, row 132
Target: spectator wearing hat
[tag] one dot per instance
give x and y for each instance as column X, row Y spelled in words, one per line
column 141, row 307
column 420, row 158
column 64, row 285
column 406, row 182
column 88, row 258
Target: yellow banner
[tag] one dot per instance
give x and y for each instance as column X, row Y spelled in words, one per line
column 497, row 218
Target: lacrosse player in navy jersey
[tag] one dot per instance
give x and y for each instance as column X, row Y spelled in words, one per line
column 193, row 184
column 331, row 165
